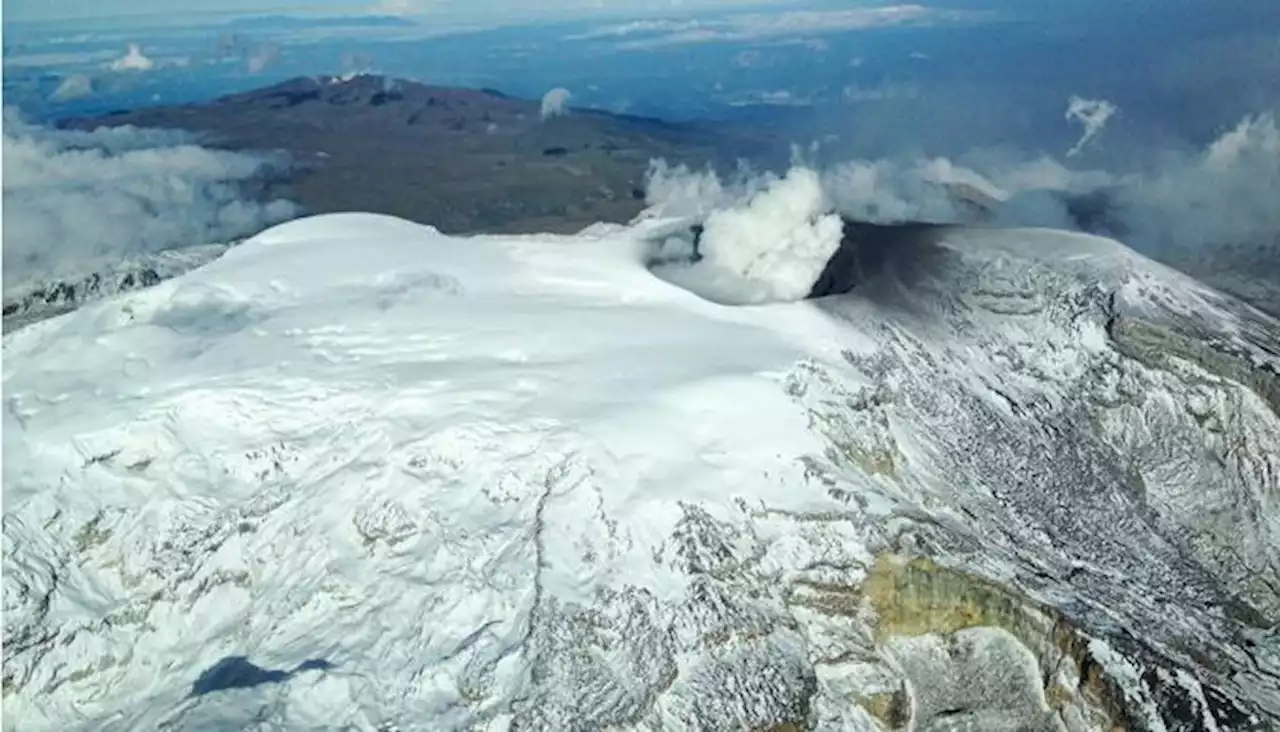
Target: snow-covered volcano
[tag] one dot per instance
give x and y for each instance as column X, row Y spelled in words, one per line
column 355, row 474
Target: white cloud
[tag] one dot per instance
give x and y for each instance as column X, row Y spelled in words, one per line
column 555, row 103
column 1093, row 114
column 76, row 86
column 77, row 200
column 133, row 60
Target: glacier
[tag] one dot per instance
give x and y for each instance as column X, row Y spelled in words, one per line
column 357, row 474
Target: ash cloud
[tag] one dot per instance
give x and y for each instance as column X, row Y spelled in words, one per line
column 770, row 245
column 1211, row 212
column 1223, row 196
column 1222, row 193
column 75, row 201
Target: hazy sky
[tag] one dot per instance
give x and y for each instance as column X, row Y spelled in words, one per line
column 22, row 10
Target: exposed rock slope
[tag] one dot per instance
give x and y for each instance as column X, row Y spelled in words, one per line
column 32, row 302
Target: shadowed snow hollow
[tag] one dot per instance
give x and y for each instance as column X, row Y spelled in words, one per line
column 358, row 474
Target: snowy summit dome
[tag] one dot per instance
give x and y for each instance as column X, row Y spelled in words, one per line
column 358, row 474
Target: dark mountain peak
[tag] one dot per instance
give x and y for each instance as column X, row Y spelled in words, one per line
column 373, row 90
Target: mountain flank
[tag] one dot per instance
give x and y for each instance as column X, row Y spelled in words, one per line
column 458, row 159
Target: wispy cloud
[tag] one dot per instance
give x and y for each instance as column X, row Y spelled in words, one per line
column 76, row 86
column 879, row 92
column 636, row 27
column 397, row 7
column 761, row 26
column 1093, row 115
column 778, row 98
column 56, row 59
column 256, row 55
column 261, row 57
column 76, row 200
column 354, row 64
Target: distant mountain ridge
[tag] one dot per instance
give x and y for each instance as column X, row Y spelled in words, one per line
column 285, row 22
column 462, row 160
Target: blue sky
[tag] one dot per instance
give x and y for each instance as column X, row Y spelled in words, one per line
column 1180, row 72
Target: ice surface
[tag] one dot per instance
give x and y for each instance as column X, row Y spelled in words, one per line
column 351, row 423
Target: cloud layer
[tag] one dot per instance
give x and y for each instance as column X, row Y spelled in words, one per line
column 76, row 200
column 747, row 27
column 1212, row 212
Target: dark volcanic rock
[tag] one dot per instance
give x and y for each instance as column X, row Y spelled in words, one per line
column 866, row 249
column 458, row 159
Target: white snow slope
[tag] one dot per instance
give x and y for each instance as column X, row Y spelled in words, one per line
column 421, row 482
